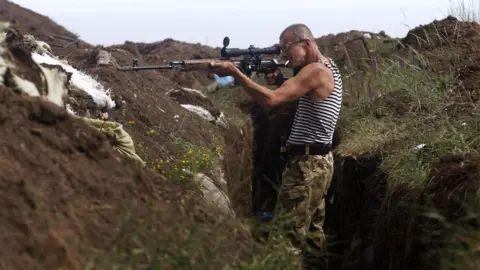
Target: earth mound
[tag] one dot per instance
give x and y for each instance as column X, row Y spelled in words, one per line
column 170, row 49
column 352, row 50
column 55, row 184
column 42, row 27
column 68, row 215
column 65, row 187
column 446, row 45
column 406, row 200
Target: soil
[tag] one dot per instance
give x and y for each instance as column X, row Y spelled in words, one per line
column 36, row 24
column 454, row 179
column 57, row 191
column 142, row 98
column 368, row 218
column 187, row 97
column 63, row 209
column 162, row 52
column 449, row 45
column 350, row 50
column 64, row 200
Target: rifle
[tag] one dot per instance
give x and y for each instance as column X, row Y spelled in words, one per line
column 251, row 61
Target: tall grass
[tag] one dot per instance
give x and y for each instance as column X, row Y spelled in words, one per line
column 403, row 114
column 424, row 127
column 465, row 10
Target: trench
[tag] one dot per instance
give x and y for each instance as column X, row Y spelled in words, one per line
column 353, row 200
column 368, row 226
column 355, row 194
column 352, row 205
column 268, row 130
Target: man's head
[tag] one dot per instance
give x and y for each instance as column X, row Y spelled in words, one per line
column 298, row 45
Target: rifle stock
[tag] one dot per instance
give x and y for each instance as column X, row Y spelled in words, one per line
column 196, row 64
column 125, row 68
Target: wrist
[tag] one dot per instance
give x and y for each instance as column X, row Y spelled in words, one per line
column 238, row 76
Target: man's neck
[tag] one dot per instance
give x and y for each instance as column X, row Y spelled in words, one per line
column 315, row 56
column 312, row 58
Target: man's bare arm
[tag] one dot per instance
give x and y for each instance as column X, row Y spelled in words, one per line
column 311, row 77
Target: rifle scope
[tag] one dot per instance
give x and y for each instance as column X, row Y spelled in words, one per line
column 251, row 51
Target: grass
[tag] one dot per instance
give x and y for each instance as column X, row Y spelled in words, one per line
column 409, row 108
column 429, row 149
column 465, row 10
column 407, row 122
column 203, row 241
column 194, row 160
column 409, row 117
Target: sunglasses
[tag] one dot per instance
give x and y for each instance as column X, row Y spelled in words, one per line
column 285, row 48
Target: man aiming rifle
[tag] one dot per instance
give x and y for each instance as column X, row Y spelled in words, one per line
column 309, row 166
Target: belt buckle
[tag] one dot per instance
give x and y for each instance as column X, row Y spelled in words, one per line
column 307, row 149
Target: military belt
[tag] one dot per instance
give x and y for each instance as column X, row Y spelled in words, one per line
column 306, row 149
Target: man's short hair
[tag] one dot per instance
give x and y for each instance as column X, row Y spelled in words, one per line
column 298, row 31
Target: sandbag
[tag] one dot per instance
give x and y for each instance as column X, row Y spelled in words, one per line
column 121, row 140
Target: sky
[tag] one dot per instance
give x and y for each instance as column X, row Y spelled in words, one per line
column 245, row 22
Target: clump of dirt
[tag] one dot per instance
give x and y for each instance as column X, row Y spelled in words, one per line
column 461, row 109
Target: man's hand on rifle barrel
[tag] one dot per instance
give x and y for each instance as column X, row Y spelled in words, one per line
column 224, row 68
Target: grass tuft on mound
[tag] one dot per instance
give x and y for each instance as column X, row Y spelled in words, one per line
column 424, row 126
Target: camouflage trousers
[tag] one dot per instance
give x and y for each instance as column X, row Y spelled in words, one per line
column 301, row 200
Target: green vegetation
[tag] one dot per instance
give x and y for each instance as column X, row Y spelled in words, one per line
column 192, row 246
column 415, row 117
column 424, row 127
column 419, row 121
column 412, row 124
column 421, row 125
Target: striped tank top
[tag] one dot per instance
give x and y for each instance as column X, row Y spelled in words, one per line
column 315, row 121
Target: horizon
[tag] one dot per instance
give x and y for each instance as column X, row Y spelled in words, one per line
column 156, row 20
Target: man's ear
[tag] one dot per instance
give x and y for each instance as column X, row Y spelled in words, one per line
column 307, row 43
